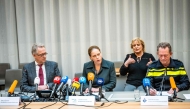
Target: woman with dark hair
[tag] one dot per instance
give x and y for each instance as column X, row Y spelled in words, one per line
column 101, row 68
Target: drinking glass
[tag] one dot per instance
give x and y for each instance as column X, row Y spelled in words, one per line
column 137, row 95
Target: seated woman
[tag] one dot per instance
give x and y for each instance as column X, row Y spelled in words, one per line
column 101, row 69
column 136, row 64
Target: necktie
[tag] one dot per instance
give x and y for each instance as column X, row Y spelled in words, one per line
column 41, row 75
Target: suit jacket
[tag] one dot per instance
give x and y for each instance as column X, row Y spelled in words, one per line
column 29, row 74
column 107, row 72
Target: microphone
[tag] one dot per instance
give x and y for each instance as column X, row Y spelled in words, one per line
column 75, row 85
column 75, row 79
column 37, row 82
column 100, row 82
column 173, row 86
column 12, row 88
column 146, row 84
column 82, row 81
column 56, row 81
column 63, row 81
column 66, row 85
column 162, row 82
column 90, row 78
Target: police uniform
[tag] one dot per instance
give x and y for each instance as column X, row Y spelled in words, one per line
column 157, row 72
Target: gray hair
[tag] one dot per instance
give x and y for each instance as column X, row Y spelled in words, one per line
column 36, row 46
column 164, row 45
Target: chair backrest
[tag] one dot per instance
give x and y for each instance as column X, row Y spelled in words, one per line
column 117, row 65
column 78, row 74
column 120, row 84
column 10, row 76
column 20, row 66
column 3, row 67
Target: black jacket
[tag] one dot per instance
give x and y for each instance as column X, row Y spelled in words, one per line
column 176, row 70
column 136, row 71
column 107, row 72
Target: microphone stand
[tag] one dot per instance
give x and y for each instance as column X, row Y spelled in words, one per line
column 90, row 87
column 81, row 91
column 162, row 83
column 148, row 91
column 67, row 93
column 102, row 95
column 35, row 93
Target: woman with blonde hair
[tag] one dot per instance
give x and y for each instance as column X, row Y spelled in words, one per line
column 136, row 64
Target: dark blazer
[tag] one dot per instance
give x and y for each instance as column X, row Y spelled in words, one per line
column 29, row 74
column 107, row 72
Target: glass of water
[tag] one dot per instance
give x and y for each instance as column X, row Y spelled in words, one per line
column 137, row 95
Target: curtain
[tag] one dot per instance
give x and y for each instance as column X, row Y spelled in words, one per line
column 69, row 27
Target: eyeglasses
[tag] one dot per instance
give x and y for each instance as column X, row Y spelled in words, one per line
column 41, row 55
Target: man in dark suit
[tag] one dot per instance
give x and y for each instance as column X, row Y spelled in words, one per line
column 45, row 70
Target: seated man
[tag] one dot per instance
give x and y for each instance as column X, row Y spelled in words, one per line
column 164, row 68
column 45, row 70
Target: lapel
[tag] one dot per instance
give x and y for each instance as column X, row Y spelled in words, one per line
column 33, row 70
column 47, row 70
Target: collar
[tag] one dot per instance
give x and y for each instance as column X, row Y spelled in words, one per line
column 37, row 63
column 171, row 65
column 103, row 64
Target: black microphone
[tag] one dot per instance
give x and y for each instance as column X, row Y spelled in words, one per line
column 146, row 84
column 56, row 81
column 162, row 82
column 100, row 83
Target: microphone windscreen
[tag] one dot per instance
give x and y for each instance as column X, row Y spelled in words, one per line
column 64, row 79
column 100, row 82
column 82, row 80
column 12, row 88
column 37, row 80
column 172, row 83
column 146, row 82
column 75, row 79
column 90, row 76
column 57, row 79
column 76, row 84
column 69, row 82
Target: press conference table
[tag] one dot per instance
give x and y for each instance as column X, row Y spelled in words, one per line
column 111, row 96
column 108, row 105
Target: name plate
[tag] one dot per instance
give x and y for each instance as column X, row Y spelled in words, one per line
column 82, row 100
column 154, row 100
column 9, row 101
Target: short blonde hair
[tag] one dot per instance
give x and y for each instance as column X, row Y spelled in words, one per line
column 140, row 41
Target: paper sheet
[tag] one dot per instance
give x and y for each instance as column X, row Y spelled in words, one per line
column 187, row 96
column 164, row 93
